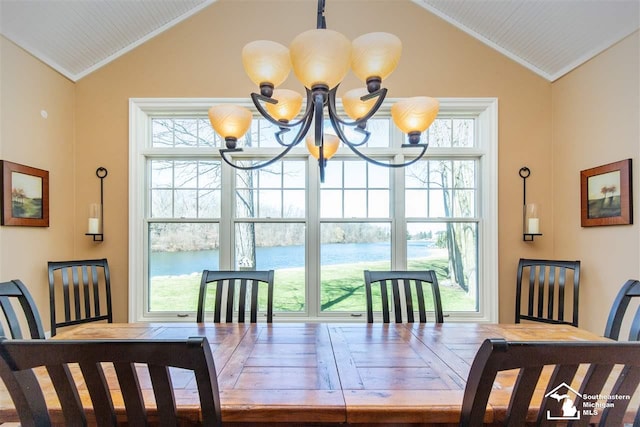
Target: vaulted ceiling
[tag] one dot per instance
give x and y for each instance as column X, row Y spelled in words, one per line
column 550, row 37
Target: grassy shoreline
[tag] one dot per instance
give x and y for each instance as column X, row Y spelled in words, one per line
column 342, row 288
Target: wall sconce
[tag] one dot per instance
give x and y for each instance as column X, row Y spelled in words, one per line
column 531, row 211
column 96, row 211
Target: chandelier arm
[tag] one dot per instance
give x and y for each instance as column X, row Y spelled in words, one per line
column 380, row 94
column 341, row 135
column 322, row 162
column 278, row 138
column 321, row 166
column 256, row 97
column 389, row 165
column 223, row 153
column 304, row 128
column 318, row 108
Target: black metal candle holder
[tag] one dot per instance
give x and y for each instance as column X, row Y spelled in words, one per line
column 101, row 173
column 524, row 173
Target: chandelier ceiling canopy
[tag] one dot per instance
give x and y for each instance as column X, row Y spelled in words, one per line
column 320, row 60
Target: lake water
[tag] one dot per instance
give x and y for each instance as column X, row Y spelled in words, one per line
column 176, row 263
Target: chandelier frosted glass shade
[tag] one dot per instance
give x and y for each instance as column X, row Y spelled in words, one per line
column 266, row 62
column 288, row 106
column 415, row 114
column 320, row 57
column 375, row 55
column 330, row 144
column 354, row 106
column 230, row 121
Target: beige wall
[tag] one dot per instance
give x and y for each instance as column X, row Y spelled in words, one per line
column 596, row 120
column 201, row 58
column 26, row 88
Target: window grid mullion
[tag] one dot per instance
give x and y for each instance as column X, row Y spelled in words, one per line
column 313, row 234
column 173, row 186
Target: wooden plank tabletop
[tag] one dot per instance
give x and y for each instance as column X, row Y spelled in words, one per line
column 334, row 373
column 417, row 373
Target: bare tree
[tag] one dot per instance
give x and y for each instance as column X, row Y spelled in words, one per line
column 452, row 177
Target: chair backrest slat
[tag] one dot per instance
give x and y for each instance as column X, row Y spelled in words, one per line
column 85, row 288
column 523, row 391
column 409, row 298
column 562, row 280
column 86, row 293
column 395, row 291
column 95, row 286
column 97, row 357
column 532, row 279
column 65, row 293
column 98, row 388
column 76, row 294
column 542, row 278
column 67, row 394
column 608, row 363
column 551, row 293
column 411, row 281
column 422, row 309
column 244, row 284
column 16, row 292
column 12, row 319
column 545, row 289
column 165, row 401
column 230, row 297
column 385, row 303
column 242, row 299
column 625, row 386
column 254, row 302
column 630, row 290
column 131, row 393
column 32, row 401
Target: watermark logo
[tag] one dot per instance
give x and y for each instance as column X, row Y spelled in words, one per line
column 565, row 394
column 590, row 404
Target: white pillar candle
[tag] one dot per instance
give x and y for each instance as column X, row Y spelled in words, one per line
column 94, row 226
column 534, row 226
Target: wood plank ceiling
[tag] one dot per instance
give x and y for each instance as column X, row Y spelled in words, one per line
column 550, row 37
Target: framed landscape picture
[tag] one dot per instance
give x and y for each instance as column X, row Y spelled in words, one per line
column 606, row 195
column 25, row 195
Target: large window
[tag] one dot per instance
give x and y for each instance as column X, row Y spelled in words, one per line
column 189, row 211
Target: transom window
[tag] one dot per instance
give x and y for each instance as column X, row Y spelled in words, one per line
column 189, row 211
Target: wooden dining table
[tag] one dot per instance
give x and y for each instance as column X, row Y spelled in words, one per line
column 330, row 373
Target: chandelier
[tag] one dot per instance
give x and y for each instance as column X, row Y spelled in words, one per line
column 321, row 59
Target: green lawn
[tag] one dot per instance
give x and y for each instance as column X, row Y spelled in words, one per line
column 342, row 289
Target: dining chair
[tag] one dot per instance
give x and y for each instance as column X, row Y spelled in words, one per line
column 109, row 371
column 402, row 296
column 550, row 289
column 228, row 284
column 631, row 289
column 565, row 393
column 12, row 293
column 83, row 289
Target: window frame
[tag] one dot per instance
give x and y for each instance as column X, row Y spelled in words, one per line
column 485, row 153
